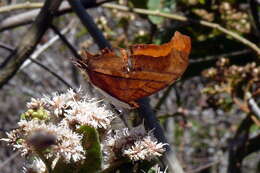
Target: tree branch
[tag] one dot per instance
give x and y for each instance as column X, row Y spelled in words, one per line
column 196, row 66
column 45, row 46
column 28, row 17
column 51, row 72
column 89, row 23
column 254, row 4
column 253, row 105
column 185, row 19
column 33, row 59
column 241, row 146
column 65, row 7
column 6, row 24
column 26, row 5
column 151, row 122
column 65, row 41
column 29, row 42
column 5, row 46
column 9, row 159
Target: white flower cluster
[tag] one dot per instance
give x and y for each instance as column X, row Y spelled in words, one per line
column 52, row 127
column 145, row 149
column 75, row 108
column 61, row 140
column 51, row 122
column 134, row 144
column 87, row 113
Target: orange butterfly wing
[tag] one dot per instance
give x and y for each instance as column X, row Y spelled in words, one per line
column 144, row 69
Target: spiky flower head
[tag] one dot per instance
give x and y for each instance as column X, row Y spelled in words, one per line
column 134, row 144
column 50, row 124
column 145, row 149
column 56, row 128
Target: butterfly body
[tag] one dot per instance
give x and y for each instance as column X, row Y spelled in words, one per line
column 137, row 72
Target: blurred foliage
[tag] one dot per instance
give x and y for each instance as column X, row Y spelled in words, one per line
column 230, row 84
column 162, row 6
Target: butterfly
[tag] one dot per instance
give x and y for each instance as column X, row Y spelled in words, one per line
column 138, row 71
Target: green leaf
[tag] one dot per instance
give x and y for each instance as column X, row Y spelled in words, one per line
column 155, row 5
column 91, row 145
column 162, row 6
column 63, row 167
column 254, row 128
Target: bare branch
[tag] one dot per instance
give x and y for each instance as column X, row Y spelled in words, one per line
column 29, row 42
column 238, row 146
column 13, row 156
column 26, row 5
column 33, row 5
column 185, row 19
column 65, row 41
column 42, row 48
column 151, row 122
column 51, row 72
column 253, row 105
column 37, row 53
column 28, row 17
column 216, row 57
column 254, row 4
column 89, row 23
column 18, row 20
column 5, row 46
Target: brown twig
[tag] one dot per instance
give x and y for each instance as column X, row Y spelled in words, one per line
column 6, row 23
column 9, row 159
column 238, row 147
column 29, row 16
column 51, row 72
column 253, row 105
column 29, row 42
column 89, row 23
column 18, row 20
column 35, row 5
column 31, row 59
column 65, row 41
column 186, row 19
column 5, row 46
column 253, row 9
column 26, row 5
column 45, row 46
column 216, row 57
